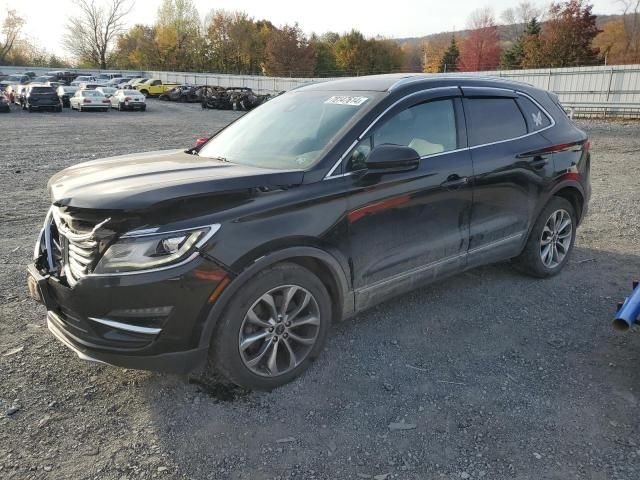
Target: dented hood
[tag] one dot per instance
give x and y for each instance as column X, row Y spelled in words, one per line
column 141, row 181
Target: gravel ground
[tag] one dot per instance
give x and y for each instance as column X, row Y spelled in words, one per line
column 489, row 374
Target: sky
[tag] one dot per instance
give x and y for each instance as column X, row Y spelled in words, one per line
column 399, row 18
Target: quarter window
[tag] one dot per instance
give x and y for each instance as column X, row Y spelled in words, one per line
column 536, row 118
column 493, row 119
column 428, row 128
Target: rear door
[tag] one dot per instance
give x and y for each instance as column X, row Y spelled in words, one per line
column 407, row 228
column 507, row 179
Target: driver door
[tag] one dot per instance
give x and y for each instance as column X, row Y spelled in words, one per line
column 407, row 228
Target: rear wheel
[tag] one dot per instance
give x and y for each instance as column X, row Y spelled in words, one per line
column 273, row 327
column 143, row 108
column 551, row 240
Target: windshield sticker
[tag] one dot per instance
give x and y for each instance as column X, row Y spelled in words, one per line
column 346, row 100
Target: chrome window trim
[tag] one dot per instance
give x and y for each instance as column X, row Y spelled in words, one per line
column 126, row 327
column 329, row 175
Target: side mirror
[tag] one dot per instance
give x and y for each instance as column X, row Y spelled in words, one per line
column 201, row 141
column 392, row 158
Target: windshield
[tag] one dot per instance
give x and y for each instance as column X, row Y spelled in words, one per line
column 131, row 92
column 91, row 93
column 291, row 131
column 14, row 78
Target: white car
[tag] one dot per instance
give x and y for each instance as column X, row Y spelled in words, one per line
column 107, row 91
column 82, row 79
column 89, row 100
column 128, row 100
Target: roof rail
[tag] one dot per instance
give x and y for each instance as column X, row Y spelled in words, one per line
column 470, row 76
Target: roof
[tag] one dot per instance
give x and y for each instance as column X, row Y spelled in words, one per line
column 393, row 81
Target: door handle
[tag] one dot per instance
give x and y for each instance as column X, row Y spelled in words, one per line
column 454, row 181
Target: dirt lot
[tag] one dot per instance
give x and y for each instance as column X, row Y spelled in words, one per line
column 494, row 375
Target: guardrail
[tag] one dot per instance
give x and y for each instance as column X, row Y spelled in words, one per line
column 602, row 110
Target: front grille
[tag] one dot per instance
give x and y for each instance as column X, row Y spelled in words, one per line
column 72, row 245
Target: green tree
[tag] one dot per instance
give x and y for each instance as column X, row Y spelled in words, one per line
column 513, row 56
column 449, row 62
column 326, row 62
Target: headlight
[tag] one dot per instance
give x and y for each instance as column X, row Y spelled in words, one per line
column 138, row 251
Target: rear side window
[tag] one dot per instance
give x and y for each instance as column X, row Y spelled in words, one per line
column 536, row 118
column 493, row 120
column 428, row 128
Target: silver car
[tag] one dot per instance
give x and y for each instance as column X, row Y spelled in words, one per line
column 128, row 100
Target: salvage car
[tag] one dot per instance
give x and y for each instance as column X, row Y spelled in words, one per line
column 40, row 97
column 237, row 255
column 128, row 100
column 89, row 100
column 183, row 93
column 65, row 93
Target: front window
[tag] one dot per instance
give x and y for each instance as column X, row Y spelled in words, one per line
column 291, row 131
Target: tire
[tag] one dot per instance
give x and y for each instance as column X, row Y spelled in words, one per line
column 143, row 108
column 538, row 258
column 144, row 92
column 79, row 108
column 234, row 326
column 59, row 109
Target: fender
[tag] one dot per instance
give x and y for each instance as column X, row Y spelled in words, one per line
column 345, row 301
column 565, row 182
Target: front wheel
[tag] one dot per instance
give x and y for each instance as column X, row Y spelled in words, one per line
column 551, row 240
column 272, row 329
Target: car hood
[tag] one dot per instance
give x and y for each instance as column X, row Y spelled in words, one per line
column 140, row 181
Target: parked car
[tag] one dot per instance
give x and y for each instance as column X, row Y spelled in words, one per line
column 14, row 80
column 66, row 92
column 107, row 91
column 128, row 100
column 90, row 85
column 64, row 77
column 40, row 97
column 153, row 87
column 240, row 253
column 83, row 79
column 105, row 77
column 31, row 75
column 5, row 106
column 89, row 100
column 133, row 82
column 44, row 79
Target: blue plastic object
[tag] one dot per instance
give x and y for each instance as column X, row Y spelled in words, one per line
column 629, row 312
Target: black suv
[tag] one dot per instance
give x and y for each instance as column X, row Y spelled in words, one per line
column 239, row 253
column 39, row 97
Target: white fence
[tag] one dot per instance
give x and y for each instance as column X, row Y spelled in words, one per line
column 614, row 88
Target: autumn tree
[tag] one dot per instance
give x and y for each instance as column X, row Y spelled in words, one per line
column 178, row 35
column 480, row 49
column 619, row 40
column 412, row 57
column 91, row 34
column 10, row 28
column 449, row 61
column 566, row 39
column 137, row 49
column 433, row 51
column 324, row 47
column 288, row 53
column 516, row 19
column 513, row 57
column 235, row 42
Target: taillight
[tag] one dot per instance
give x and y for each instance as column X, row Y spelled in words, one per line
column 86, row 100
column 587, row 145
column 127, row 99
column 106, row 100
